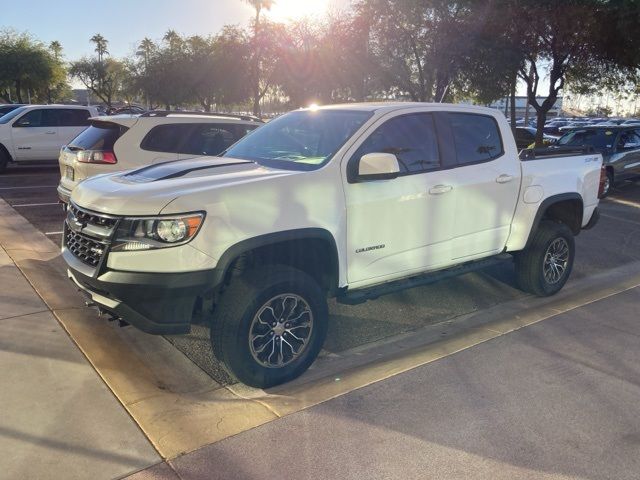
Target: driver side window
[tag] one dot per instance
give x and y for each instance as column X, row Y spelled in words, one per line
column 411, row 138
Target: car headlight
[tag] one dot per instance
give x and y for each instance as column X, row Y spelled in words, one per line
column 156, row 232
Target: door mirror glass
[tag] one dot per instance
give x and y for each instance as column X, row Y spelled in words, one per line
column 378, row 166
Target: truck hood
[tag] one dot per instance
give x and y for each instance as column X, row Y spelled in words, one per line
column 147, row 190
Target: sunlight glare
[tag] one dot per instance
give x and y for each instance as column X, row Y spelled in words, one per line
column 291, row 10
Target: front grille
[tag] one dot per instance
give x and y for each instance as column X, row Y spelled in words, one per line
column 85, row 248
column 87, row 235
column 92, row 218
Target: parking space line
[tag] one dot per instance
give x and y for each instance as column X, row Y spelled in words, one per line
column 53, row 233
column 30, row 186
column 35, row 204
column 620, row 219
column 624, row 202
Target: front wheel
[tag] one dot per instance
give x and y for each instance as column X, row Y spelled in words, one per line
column 545, row 265
column 269, row 325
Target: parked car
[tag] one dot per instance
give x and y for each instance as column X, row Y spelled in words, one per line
column 121, row 142
column 526, row 137
column 351, row 201
column 619, row 146
column 129, row 109
column 36, row 132
column 6, row 108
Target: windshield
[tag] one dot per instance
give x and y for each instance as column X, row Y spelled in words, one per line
column 596, row 138
column 302, row 140
column 6, row 118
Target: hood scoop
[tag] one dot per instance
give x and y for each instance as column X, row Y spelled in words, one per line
column 178, row 168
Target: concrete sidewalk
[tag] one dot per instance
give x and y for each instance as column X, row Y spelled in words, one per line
column 556, row 400
column 58, row 420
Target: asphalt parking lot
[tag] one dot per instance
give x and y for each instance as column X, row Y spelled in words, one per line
column 31, row 191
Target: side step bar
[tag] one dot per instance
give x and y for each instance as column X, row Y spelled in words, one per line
column 356, row 297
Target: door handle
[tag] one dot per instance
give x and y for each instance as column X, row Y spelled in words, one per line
column 440, row 189
column 50, row 133
column 504, row 178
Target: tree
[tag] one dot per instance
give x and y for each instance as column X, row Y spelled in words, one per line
column 420, row 46
column 140, row 73
column 219, row 65
column 101, row 46
column 58, row 89
column 104, row 78
column 165, row 80
column 259, row 42
column 26, row 66
column 574, row 43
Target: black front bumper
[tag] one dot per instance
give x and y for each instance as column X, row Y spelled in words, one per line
column 157, row 303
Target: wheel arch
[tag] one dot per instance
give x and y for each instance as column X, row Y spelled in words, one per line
column 567, row 208
column 4, row 149
column 312, row 250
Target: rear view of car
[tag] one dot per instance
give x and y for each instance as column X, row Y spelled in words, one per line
column 123, row 142
column 90, row 153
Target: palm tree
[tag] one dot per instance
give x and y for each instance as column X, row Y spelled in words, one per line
column 258, row 5
column 56, row 49
column 173, row 39
column 145, row 49
column 101, row 45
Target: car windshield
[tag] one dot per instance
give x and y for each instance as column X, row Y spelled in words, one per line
column 6, row 118
column 302, row 140
column 600, row 138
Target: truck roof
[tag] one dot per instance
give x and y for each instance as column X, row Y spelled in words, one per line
column 391, row 106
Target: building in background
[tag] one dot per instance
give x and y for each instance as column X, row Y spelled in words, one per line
column 521, row 105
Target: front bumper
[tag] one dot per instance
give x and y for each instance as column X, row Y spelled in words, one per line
column 64, row 194
column 156, row 303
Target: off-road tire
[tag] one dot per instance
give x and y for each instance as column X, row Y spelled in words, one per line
column 241, row 302
column 530, row 263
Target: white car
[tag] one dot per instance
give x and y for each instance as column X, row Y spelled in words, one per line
column 121, row 142
column 351, row 201
column 36, row 132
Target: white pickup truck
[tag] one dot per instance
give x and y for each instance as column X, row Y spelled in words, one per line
column 352, row 201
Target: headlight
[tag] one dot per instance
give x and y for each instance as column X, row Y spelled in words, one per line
column 156, row 232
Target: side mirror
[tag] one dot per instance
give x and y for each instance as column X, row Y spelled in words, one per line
column 378, row 166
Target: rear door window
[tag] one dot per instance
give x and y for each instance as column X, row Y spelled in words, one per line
column 210, row 139
column 167, row 138
column 73, row 117
column 476, row 137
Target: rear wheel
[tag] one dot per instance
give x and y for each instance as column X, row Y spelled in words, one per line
column 608, row 184
column 545, row 265
column 269, row 325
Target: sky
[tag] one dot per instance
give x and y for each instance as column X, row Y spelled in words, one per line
column 125, row 22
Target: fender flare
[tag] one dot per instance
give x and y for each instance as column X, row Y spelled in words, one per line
column 6, row 150
column 233, row 252
column 548, row 202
